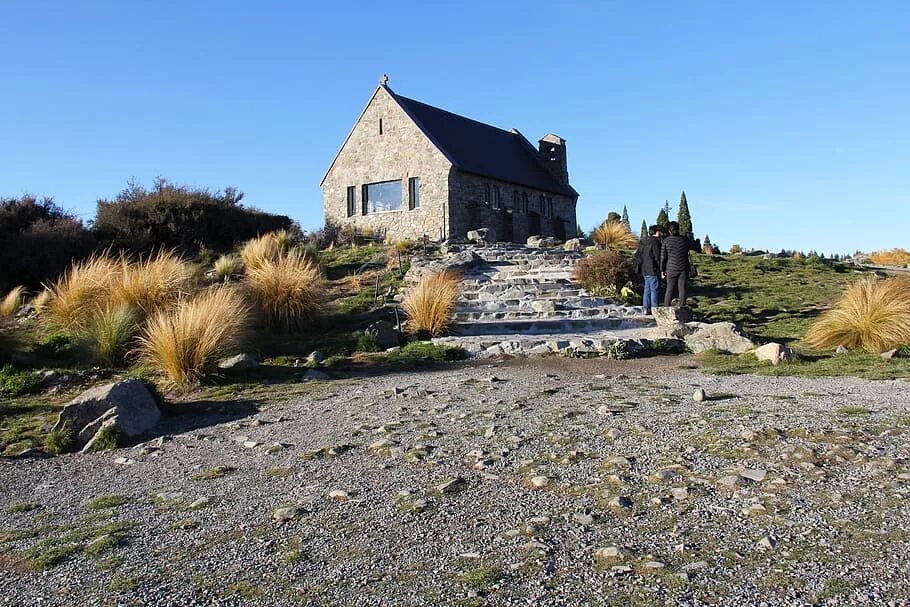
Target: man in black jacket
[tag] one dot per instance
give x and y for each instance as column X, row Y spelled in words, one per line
column 647, row 263
column 674, row 263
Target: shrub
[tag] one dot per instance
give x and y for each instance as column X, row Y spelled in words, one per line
column 85, row 287
column 186, row 341
column 366, row 343
column 430, row 304
column 110, row 332
column 894, row 257
column 603, row 272
column 180, row 217
column 873, row 314
column 12, row 300
column 288, row 291
column 227, row 266
column 62, row 440
column 40, row 240
column 614, row 235
column 17, row 383
column 151, row 283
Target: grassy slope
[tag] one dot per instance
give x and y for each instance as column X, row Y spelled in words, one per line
column 777, row 300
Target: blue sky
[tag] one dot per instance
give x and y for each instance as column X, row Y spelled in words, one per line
column 786, row 123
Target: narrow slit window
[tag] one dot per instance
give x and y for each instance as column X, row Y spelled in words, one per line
column 352, row 200
column 414, row 193
column 380, row 126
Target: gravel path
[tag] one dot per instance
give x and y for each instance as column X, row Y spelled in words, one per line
column 576, row 482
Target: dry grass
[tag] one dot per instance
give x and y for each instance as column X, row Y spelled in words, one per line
column 615, row 235
column 12, row 300
column 873, row 314
column 894, row 257
column 227, row 266
column 288, row 291
column 153, row 283
column 41, row 300
column 186, row 341
column 110, row 332
column 258, row 251
column 86, row 286
column 430, row 304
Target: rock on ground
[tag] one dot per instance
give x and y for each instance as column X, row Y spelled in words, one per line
column 127, row 407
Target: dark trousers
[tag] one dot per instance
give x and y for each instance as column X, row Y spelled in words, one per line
column 676, row 282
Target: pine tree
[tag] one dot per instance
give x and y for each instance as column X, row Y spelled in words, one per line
column 663, row 218
column 684, row 218
column 644, row 229
column 625, row 218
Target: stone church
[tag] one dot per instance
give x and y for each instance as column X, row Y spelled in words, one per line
column 409, row 170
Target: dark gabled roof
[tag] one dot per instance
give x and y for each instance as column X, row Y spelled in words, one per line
column 482, row 149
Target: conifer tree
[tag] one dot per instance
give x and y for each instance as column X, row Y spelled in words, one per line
column 663, row 218
column 625, row 218
column 644, row 229
column 684, row 218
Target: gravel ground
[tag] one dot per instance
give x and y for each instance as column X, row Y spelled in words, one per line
column 578, row 482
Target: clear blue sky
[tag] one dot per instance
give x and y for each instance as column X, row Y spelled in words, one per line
column 786, row 123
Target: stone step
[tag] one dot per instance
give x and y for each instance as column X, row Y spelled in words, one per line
column 538, row 345
column 561, row 302
column 551, row 326
column 605, row 312
column 524, row 295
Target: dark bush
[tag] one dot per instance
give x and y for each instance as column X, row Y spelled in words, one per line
column 40, row 240
column 180, row 217
column 604, row 273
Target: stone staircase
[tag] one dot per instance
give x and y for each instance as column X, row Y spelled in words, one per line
column 522, row 301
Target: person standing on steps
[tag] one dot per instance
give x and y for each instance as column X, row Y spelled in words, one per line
column 674, row 264
column 647, row 263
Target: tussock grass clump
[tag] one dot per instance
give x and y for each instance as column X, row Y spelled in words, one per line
column 872, row 314
column 227, row 266
column 12, row 300
column 184, row 342
column 288, row 291
column 41, row 300
column 894, row 257
column 257, row 251
column 153, row 283
column 430, row 304
column 615, row 235
column 85, row 286
column 110, row 332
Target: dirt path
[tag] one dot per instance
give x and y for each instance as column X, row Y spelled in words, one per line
column 576, row 482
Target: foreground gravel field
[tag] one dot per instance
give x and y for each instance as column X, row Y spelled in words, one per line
column 549, row 482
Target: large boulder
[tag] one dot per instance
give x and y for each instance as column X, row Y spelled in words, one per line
column 722, row 336
column 127, row 408
column 480, row 236
column 238, row 363
column 573, row 244
column 774, row 353
column 383, row 333
column 669, row 316
column 542, row 242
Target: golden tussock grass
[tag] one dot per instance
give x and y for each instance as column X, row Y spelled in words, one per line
column 259, row 250
column 894, row 257
column 615, row 235
column 227, row 266
column 151, row 283
column 41, row 300
column 78, row 294
column 12, row 300
column 187, row 340
column 872, row 314
column 288, row 291
column 110, row 332
column 430, row 304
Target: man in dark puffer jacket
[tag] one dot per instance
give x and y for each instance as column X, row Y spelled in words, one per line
column 674, row 263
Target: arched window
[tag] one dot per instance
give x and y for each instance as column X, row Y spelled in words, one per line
column 515, row 204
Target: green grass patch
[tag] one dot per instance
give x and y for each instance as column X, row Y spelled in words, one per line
column 16, row 383
column 853, row 411
column 213, row 473
column 21, row 507
column 107, row 501
column 823, row 364
column 418, row 351
column 481, row 578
